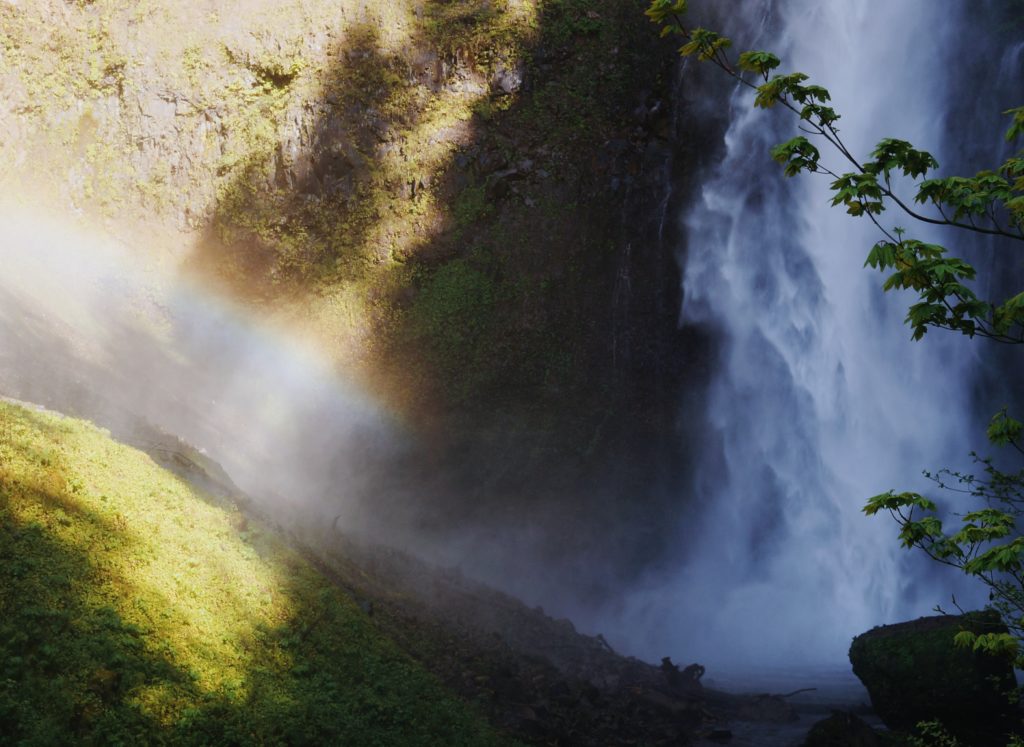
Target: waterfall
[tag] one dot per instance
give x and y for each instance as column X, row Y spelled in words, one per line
column 820, row 399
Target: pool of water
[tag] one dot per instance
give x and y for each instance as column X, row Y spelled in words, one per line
column 824, row 689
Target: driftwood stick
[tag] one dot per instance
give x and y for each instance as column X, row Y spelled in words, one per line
column 797, row 692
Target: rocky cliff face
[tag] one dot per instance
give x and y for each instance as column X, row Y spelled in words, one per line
column 468, row 204
column 163, row 107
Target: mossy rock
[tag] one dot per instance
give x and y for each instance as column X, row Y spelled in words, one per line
column 842, row 730
column 915, row 672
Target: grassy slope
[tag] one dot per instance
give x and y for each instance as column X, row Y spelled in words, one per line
column 134, row 610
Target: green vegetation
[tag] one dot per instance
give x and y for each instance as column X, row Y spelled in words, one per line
column 916, row 672
column 471, row 205
column 455, row 314
column 489, row 32
column 133, row 610
column 988, row 544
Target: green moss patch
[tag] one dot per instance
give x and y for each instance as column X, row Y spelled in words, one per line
column 915, row 672
column 134, row 611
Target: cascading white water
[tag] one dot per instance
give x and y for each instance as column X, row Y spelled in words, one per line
column 820, row 400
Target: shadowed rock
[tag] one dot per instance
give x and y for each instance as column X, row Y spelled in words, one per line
column 915, row 672
column 842, row 730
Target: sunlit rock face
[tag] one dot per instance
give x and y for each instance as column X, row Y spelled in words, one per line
column 180, row 116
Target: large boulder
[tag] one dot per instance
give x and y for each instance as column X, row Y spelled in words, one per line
column 842, row 730
column 915, row 672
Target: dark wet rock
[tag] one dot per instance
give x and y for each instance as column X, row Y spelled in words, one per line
column 499, row 184
column 463, row 160
column 427, row 68
column 915, row 672
column 491, row 160
column 649, row 111
column 507, row 80
column 688, row 678
column 378, row 126
column 842, row 730
column 184, row 460
column 618, row 146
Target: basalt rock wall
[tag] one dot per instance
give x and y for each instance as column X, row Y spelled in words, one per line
column 468, row 205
